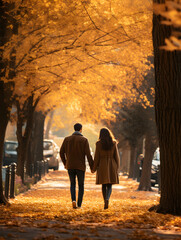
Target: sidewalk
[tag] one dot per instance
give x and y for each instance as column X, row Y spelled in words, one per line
column 45, row 212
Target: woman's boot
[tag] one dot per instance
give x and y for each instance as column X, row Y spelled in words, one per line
column 106, row 204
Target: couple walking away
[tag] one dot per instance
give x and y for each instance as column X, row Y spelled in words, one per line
column 106, row 161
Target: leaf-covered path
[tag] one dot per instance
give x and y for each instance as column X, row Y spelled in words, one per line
column 45, row 212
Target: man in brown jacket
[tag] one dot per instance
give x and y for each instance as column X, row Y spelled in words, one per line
column 73, row 151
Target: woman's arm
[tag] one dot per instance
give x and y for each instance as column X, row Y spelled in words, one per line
column 116, row 156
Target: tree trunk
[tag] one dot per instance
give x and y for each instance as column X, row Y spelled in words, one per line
column 24, row 139
column 6, row 90
column 150, row 147
column 132, row 161
column 3, row 124
column 21, row 156
column 49, row 124
column 39, row 133
column 168, row 118
column 23, row 146
column 36, row 142
column 125, row 159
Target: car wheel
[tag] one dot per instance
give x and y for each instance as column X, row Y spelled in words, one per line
column 55, row 168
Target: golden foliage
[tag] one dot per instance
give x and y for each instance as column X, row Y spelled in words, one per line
column 86, row 52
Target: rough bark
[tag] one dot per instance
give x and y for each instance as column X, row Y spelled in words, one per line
column 39, row 132
column 168, row 118
column 6, row 89
column 22, row 155
column 24, row 137
column 150, row 147
column 3, row 124
column 36, row 141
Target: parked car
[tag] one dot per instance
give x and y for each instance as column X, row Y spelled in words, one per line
column 155, row 168
column 51, row 153
column 10, row 152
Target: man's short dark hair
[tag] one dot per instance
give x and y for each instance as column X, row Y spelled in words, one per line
column 77, row 127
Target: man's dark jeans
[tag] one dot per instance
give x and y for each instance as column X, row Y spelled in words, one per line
column 80, row 176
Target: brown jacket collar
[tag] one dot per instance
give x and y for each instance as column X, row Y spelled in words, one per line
column 77, row 133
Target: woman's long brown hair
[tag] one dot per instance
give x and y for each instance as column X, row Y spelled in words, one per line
column 106, row 138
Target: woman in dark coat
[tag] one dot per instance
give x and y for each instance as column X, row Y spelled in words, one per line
column 106, row 163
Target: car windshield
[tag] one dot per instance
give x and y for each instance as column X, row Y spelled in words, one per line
column 11, row 146
column 47, row 145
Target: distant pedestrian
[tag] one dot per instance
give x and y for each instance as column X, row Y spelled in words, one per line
column 106, row 163
column 73, row 151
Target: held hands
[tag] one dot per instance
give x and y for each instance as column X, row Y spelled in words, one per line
column 91, row 168
column 92, row 171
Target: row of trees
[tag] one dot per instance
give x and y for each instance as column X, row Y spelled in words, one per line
column 85, row 53
column 167, row 62
column 135, row 122
column 52, row 54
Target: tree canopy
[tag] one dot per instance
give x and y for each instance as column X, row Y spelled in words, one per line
column 90, row 49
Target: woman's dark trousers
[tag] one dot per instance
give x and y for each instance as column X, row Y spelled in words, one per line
column 80, row 176
column 106, row 191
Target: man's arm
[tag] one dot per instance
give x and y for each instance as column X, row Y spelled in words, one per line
column 62, row 153
column 88, row 154
column 96, row 159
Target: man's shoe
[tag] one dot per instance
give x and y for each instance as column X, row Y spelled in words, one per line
column 74, row 204
column 106, row 204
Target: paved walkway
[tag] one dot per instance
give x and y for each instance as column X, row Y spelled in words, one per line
column 45, row 212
